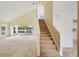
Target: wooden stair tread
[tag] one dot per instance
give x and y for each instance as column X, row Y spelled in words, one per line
column 48, row 35
column 45, row 33
column 47, row 48
column 49, row 51
column 45, row 37
column 48, row 40
column 47, row 45
column 44, row 42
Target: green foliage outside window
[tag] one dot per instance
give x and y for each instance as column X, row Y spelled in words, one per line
column 25, row 29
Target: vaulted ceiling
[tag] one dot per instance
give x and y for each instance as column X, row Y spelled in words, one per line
column 10, row 10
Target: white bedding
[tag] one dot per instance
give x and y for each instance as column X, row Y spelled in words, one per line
column 18, row 46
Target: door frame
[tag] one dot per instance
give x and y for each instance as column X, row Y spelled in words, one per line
column 78, row 28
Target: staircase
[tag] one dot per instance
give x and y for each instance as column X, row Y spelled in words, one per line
column 47, row 46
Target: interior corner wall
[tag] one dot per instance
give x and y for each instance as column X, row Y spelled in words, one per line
column 63, row 15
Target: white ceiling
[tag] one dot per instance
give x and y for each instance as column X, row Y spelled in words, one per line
column 10, row 10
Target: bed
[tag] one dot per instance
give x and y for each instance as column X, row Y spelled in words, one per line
column 18, row 46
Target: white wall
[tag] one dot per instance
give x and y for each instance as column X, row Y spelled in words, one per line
column 63, row 15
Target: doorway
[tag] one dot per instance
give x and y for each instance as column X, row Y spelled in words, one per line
column 40, row 11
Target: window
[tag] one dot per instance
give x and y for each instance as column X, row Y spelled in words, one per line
column 3, row 30
column 24, row 29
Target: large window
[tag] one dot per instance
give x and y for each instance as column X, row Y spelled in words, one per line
column 25, row 29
